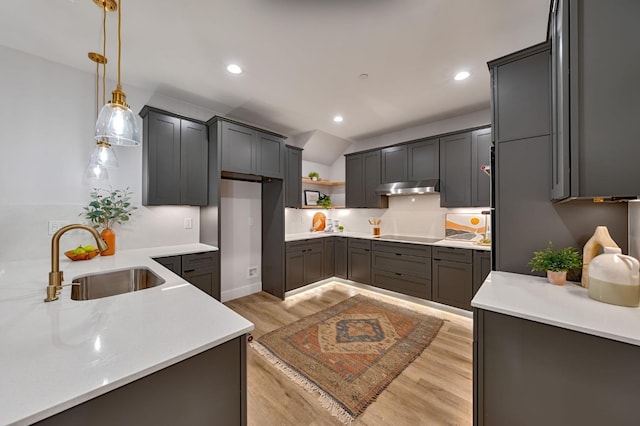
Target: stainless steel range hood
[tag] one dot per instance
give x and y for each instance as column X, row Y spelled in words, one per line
column 409, row 188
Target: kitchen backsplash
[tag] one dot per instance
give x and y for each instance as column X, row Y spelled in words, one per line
column 419, row 215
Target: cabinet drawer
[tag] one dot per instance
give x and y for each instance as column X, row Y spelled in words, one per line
column 172, row 263
column 402, row 248
column 359, row 243
column 294, row 246
column 194, row 261
column 452, row 254
column 402, row 263
column 411, row 286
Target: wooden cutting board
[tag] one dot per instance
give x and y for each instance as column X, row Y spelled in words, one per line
column 319, row 222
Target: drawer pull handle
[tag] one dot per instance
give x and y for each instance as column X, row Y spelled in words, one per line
column 398, row 254
column 398, row 274
column 187, row 271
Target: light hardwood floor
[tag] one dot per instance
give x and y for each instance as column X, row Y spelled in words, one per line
column 436, row 389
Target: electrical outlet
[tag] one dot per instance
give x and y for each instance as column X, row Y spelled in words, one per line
column 252, row 272
column 188, row 223
column 55, row 225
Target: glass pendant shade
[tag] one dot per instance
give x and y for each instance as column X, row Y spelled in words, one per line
column 103, row 155
column 117, row 125
column 96, row 175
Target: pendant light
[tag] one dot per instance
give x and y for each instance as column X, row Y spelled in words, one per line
column 103, row 156
column 116, row 123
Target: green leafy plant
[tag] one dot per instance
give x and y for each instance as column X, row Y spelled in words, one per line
column 108, row 207
column 340, row 228
column 556, row 260
column 314, row 175
column 324, row 201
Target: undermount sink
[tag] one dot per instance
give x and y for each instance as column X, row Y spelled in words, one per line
column 105, row 284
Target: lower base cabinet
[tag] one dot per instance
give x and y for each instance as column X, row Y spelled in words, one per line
column 200, row 269
column 403, row 268
column 329, row 258
column 359, row 260
column 341, row 257
column 481, row 268
column 527, row 373
column 452, row 277
column 207, row 389
column 304, row 263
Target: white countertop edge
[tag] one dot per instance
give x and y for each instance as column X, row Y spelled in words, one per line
column 552, row 306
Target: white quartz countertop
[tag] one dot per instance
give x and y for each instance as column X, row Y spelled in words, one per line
column 56, row 355
column 442, row 242
column 567, row 306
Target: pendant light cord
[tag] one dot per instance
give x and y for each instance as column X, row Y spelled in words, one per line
column 119, row 40
column 104, row 53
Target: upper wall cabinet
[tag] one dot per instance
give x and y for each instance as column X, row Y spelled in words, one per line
column 595, row 123
column 362, row 179
column 292, row 181
column 410, row 162
column 174, row 165
column 247, row 150
column 462, row 182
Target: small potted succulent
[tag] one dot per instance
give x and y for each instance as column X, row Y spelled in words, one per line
column 314, row 176
column 556, row 262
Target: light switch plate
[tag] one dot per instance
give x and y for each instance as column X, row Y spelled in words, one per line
column 188, row 223
column 55, row 225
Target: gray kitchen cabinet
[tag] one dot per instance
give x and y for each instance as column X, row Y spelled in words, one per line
column 452, row 276
column 595, row 114
column 200, row 269
column 403, row 268
column 481, row 268
column 293, row 179
column 341, row 257
column 362, row 178
column 329, row 257
column 462, row 182
column 175, row 159
column 359, row 260
column 527, row 373
column 423, row 160
column 247, row 150
column 394, row 164
column 304, row 263
column 207, row 388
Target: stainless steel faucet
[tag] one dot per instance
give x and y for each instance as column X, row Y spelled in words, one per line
column 56, row 276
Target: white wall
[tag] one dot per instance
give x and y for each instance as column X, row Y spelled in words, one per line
column 46, row 134
column 241, row 238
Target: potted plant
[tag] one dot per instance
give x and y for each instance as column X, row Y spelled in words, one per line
column 106, row 209
column 324, row 201
column 314, row 176
column 556, row 262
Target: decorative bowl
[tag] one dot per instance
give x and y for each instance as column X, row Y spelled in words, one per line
column 81, row 256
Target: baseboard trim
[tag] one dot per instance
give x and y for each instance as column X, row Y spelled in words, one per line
column 238, row 292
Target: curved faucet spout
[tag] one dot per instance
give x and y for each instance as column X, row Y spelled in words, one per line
column 56, row 276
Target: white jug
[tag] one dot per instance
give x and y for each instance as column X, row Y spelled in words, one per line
column 614, row 278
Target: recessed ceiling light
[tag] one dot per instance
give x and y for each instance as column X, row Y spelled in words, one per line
column 462, row 75
column 363, row 76
column 234, row 69
column 338, row 119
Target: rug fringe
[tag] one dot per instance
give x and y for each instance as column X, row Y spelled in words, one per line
column 326, row 400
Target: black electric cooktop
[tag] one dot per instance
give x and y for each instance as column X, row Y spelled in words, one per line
column 410, row 239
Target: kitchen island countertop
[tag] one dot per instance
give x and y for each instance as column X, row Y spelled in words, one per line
column 59, row 354
column 397, row 239
column 568, row 306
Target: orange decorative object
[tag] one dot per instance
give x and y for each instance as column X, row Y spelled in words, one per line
column 319, row 222
column 109, row 237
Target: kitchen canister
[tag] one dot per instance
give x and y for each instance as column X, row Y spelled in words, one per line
column 614, row 278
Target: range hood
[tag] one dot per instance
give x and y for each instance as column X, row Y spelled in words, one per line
column 409, row 188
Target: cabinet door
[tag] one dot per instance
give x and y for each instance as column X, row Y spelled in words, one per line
column 452, row 283
column 329, row 256
column 424, row 160
column 202, row 278
column 172, row 263
column 394, row 164
column 313, row 264
column 270, row 155
column 360, row 265
column 354, row 181
column 202, row 270
column 371, row 176
column 480, row 156
column 455, row 170
column 481, row 268
column 341, row 263
column 162, row 177
column 294, row 275
column 238, row 149
column 193, row 163
column 293, row 182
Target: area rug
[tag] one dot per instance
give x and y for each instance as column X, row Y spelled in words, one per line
column 350, row 352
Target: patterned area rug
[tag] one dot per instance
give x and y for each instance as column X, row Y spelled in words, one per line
column 350, row 352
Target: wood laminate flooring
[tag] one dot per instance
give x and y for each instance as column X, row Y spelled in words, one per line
column 436, row 389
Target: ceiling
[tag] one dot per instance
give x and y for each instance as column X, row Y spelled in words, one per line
column 303, row 58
